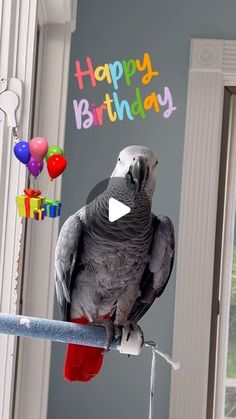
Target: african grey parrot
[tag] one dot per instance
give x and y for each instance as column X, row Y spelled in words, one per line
column 113, row 271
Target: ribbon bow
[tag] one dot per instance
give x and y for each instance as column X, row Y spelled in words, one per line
column 32, row 192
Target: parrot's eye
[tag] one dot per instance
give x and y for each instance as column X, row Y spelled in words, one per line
column 119, row 159
column 133, row 158
column 156, row 162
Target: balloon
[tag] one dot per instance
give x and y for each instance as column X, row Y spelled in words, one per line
column 22, row 151
column 53, row 149
column 35, row 167
column 38, row 148
column 56, row 165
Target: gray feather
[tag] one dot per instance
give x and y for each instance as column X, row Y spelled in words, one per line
column 65, row 258
column 157, row 273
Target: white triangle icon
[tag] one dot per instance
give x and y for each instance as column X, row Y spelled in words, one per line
column 117, row 210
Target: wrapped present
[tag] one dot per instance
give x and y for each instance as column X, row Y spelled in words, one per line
column 29, row 202
column 39, row 214
column 52, row 208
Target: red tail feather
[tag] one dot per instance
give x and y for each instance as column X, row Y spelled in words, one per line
column 82, row 363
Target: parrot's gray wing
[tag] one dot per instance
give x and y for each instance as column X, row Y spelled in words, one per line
column 157, row 272
column 65, row 258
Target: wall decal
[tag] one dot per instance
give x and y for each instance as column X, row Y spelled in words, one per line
column 113, row 107
column 32, row 204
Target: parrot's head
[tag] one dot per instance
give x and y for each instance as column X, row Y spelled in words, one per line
column 137, row 164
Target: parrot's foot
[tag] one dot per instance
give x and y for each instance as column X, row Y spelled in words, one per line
column 114, row 331
column 110, row 331
column 129, row 328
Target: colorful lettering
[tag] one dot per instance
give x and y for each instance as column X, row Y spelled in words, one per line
column 89, row 72
column 151, row 101
column 108, row 101
column 100, row 109
column 167, row 100
column 89, row 114
column 102, row 72
column 116, row 71
column 82, row 109
column 94, row 112
column 137, row 108
column 146, row 65
column 129, row 70
column 121, row 106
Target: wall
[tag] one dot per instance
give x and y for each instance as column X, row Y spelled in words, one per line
column 107, row 31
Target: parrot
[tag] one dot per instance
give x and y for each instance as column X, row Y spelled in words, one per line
column 110, row 273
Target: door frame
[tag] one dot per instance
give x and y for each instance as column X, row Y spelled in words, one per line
column 212, row 68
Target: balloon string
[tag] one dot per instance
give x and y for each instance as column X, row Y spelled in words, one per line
column 30, row 181
column 49, row 183
column 15, row 135
column 34, row 182
column 38, row 182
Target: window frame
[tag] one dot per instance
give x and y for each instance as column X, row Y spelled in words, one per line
column 25, row 364
column 17, row 37
column 56, row 23
column 212, row 69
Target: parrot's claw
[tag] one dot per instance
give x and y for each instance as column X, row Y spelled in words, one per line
column 110, row 331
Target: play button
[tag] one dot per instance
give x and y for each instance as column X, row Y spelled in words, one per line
column 117, row 210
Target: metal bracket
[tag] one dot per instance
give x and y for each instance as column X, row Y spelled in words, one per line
column 11, row 101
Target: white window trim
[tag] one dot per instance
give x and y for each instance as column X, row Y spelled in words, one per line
column 57, row 21
column 17, row 36
column 18, row 24
column 212, row 68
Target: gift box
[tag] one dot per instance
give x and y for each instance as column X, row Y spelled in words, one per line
column 52, row 208
column 39, row 214
column 29, row 203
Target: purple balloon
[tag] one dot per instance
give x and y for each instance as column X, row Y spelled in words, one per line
column 22, row 151
column 34, row 167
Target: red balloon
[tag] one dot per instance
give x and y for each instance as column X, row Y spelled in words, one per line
column 56, row 165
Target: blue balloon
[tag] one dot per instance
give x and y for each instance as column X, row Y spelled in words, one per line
column 22, row 151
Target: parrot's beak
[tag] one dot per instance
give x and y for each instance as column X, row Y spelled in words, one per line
column 137, row 174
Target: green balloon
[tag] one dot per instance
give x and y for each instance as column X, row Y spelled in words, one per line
column 53, row 149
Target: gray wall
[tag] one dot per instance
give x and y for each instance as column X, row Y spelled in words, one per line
column 107, row 31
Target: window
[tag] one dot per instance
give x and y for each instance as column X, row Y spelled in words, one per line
column 223, row 341
column 212, row 76
column 230, row 381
